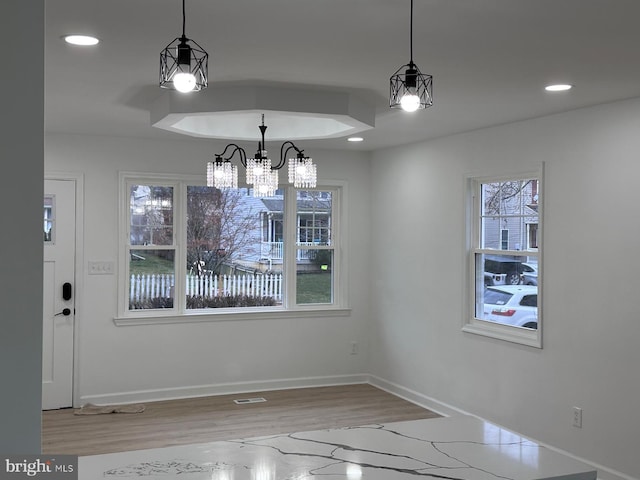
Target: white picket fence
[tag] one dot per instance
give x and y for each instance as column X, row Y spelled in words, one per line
column 145, row 287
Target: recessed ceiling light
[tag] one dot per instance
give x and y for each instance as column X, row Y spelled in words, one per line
column 355, row 139
column 83, row 40
column 561, row 87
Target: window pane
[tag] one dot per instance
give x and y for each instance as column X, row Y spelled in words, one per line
column 506, row 269
column 49, row 220
column 497, row 297
column 314, row 217
column 238, row 289
column 503, row 292
column 152, row 279
column 509, row 219
column 151, row 215
column 314, row 276
column 234, row 249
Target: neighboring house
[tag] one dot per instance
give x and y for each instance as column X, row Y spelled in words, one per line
column 515, row 224
column 248, row 257
column 313, row 228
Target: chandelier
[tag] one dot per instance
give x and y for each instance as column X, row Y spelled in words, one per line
column 261, row 174
column 410, row 90
column 183, row 67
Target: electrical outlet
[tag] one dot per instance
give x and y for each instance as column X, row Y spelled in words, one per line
column 354, row 348
column 577, row 417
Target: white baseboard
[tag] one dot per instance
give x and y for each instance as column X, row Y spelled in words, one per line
column 412, row 396
column 140, row 396
column 604, row 473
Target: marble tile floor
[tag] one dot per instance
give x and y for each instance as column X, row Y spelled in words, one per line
column 448, row 448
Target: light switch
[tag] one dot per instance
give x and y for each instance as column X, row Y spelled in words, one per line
column 101, row 268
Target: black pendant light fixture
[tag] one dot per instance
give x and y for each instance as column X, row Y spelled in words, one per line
column 183, row 67
column 261, row 174
column 410, row 89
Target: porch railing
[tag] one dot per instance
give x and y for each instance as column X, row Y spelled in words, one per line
column 275, row 250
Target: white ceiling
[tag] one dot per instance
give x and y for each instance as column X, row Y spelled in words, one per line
column 490, row 59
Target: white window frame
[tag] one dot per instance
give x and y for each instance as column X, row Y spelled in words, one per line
column 179, row 314
column 471, row 323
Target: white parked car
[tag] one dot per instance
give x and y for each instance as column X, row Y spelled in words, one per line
column 515, row 305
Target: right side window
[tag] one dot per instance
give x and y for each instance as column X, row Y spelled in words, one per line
column 505, row 259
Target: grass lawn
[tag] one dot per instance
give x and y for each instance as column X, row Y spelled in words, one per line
column 148, row 262
column 313, row 288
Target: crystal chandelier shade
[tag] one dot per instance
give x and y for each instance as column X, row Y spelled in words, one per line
column 302, row 172
column 257, row 167
column 265, row 185
column 222, row 174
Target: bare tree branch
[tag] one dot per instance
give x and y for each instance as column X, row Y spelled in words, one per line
column 218, row 227
column 497, row 195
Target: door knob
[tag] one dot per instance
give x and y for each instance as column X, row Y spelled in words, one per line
column 65, row 311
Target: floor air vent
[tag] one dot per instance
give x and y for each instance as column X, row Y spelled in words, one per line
column 243, row 401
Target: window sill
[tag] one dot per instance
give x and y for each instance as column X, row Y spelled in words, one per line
column 523, row 336
column 157, row 318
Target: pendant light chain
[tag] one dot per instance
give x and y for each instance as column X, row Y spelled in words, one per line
column 184, row 18
column 410, row 36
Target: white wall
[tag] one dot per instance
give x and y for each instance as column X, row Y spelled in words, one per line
column 159, row 361
column 409, row 304
column 21, row 154
column 591, row 354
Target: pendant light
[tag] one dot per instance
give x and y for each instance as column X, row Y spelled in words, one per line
column 183, row 67
column 409, row 88
column 261, row 174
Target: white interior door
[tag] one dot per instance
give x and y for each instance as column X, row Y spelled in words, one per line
column 58, row 313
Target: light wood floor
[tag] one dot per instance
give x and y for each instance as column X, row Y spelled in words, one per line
column 207, row 419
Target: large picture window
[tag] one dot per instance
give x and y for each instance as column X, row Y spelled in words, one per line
column 192, row 249
column 505, row 255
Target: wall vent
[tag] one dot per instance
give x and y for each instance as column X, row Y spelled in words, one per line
column 243, row 401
